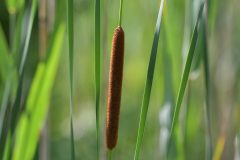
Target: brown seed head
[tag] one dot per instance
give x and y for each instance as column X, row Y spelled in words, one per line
column 114, row 88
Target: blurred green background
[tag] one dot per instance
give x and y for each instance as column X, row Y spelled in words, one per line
column 139, row 18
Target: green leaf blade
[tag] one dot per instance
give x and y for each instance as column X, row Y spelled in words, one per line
column 97, row 72
column 71, row 58
column 148, row 85
column 186, row 72
column 209, row 148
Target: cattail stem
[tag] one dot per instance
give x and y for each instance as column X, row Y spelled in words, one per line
column 120, row 13
column 109, row 155
column 115, row 87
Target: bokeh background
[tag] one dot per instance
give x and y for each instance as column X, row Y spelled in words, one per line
column 138, row 22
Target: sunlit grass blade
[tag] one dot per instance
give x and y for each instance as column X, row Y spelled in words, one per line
column 148, row 85
column 71, row 58
column 32, row 119
column 97, row 71
column 186, row 72
column 14, row 6
column 219, row 148
column 209, row 149
column 7, row 148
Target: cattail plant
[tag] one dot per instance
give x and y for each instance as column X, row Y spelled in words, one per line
column 115, row 85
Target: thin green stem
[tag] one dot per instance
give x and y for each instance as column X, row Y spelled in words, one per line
column 97, row 72
column 70, row 25
column 109, row 155
column 120, row 13
column 207, row 93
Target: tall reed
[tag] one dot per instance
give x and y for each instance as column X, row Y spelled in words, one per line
column 115, row 85
column 148, row 84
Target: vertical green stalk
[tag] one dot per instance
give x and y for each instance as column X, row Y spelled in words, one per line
column 109, row 155
column 71, row 55
column 120, row 13
column 148, row 85
column 209, row 150
column 97, row 72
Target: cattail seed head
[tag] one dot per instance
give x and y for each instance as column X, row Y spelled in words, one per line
column 115, row 87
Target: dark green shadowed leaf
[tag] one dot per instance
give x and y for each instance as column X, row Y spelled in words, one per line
column 5, row 121
column 71, row 57
column 34, row 4
column 16, row 106
column 148, row 85
column 15, row 110
column 186, row 72
column 97, row 71
column 19, row 34
column 4, row 104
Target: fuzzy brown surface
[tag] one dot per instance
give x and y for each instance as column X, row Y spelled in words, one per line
column 115, row 88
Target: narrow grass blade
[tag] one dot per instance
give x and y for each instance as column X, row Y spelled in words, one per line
column 28, row 36
column 4, row 104
column 186, row 72
column 16, row 106
column 97, row 72
column 148, row 85
column 4, row 129
column 209, row 149
column 32, row 119
column 71, row 54
column 15, row 110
